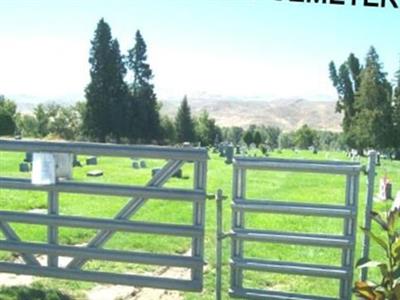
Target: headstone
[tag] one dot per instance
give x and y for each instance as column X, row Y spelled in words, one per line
column 92, row 160
column 43, row 169
column 64, row 163
column 229, row 154
column 155, row 171
column 378, row 159
column 178, row 174
column 237, row 150
column 76, row 162
column 221, row 150
column 28, row 157
column 396, row 202
column 385, row 189
column 143, row 164
column 24, row 167
column 95, row 173
column 135, row 165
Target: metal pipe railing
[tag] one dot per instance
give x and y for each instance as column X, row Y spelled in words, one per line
column 176, row 158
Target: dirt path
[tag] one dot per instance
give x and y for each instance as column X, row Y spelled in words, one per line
column 106, row 291
column 113, row 292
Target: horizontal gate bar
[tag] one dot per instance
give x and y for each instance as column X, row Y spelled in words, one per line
column 102, row 254
column 103, row 277
column 160, row 152
column 97, row 223
column 291, row 268
column 334, row 211
column 298, row 165
column 291, row 238
column 105, row 189
column 273, row 295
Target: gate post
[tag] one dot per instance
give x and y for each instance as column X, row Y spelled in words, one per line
column 368, row 208
column 219, row 238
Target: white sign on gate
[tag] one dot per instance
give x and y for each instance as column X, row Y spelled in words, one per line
column 43, row 169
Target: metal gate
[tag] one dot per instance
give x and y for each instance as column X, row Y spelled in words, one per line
column 154, row 189
column 240, row 234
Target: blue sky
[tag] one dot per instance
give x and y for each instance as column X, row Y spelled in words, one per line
column 267, row 49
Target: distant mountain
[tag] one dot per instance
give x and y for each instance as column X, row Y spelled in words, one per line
column 288, row 114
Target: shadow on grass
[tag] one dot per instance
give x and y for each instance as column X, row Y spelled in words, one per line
column 31, row 293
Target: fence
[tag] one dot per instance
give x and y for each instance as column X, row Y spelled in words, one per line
column 154, row 189
column 240, row 234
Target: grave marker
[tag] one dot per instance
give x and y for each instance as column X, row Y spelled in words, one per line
column 155, row 171
column 28, row 157
column 143, row 164
column 95, row 173
column 92, row 160
column 229, row 154
column 24, row 167
column 385, row 189
column 64, row 162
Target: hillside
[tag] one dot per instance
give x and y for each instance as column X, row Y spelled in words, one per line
column 288, row 114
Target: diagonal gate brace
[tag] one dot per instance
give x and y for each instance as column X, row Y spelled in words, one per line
column 129, row 209
column 12, row 236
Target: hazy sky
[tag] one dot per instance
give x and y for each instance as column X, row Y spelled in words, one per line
column 262, row 48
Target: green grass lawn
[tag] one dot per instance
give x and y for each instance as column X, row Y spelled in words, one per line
column 261, row 185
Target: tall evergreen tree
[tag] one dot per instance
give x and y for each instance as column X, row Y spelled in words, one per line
column 118, row 93
column 99, row 92
column 248, row 138
column 184, row 123
column 373, row 121
column 143, row 107
column 396, row 114
column 346, row 82
column 257, row 138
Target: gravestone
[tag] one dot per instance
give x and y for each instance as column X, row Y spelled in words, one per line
column 396, row 203
column 143, row 164
column 95, row 173
column 76, row 162
column 178, row 174
column 229, row 154
column 28, row 157
column 135, row 165
column 221, row 150
column 155, row 171
column 64, row 162
column 385, row 189
column 378, row 159
column 237, row 150
column 92, row 160
column 24, row 167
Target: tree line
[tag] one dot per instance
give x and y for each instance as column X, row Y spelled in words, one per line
column 54, row 121
column 370, row 103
